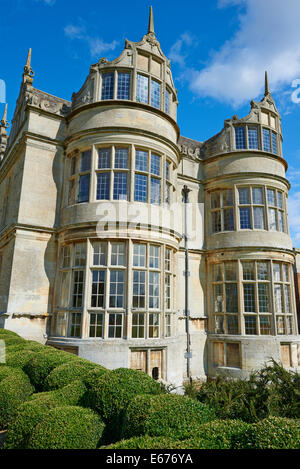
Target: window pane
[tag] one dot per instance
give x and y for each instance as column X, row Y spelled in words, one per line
column 154, row 257
column 99, row 253
column 153, row 290
column 103, row 186
column 75, row 330
column 98, row 288
column 265, row 325
column 155, row 191
column 155, row 94
column 79, row 255
column 263, row 298
column 218, row 298
column 280, row 325
column 250, row 325
column 258, row 218
column 230, row 270
column 84, row 188
column 140, row 188
column 77, row 295
column 231, row 297
column 139, row 255
column 120, row 186
column 139, row 289
column 257, row 195
column 287, row 301
column 249, row 298
column 228, row 219
column 232, row 325
column 271, row 197
column 116, row 294
column 248, row 270
column 141, row 160
column 118, row 254
column 123, row 85
column 215, row 200
column 266, row 140
column 167, row 102
column 281, row 220
column 276, row 272
column 153, row 325
column 155, row 164
column 138, row 326
column 244, row 196
column 274, row 143
column 107, row 85
column 104, row 158
column 278, row 298
column 96, row 324
column 142, row 89
column 272, row 219
column 252, row 138
column 279, row 199
column 285, row 269
column 85, row 161
column 245, row 220
column 216, row 221
column 219, row 325
column 227, row 198
column 65, row 289
column 240, row 141
column 217, row 273
column 262, row 271
column 115, row 326
column 121, row 158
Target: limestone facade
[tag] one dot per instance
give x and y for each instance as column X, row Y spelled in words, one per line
column 92, row 227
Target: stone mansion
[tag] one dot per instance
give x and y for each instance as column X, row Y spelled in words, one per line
column 133, row 246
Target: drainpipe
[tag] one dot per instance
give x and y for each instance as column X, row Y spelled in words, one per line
column 188, row 354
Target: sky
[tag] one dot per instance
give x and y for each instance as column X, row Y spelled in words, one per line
column 219, row 51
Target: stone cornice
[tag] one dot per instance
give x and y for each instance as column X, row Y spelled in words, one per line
column 246, row 153
column 247, row 175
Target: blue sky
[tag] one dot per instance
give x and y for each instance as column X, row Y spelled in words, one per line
column 219, row 50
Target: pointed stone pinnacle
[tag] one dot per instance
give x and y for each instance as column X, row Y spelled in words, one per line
column 151, row 22
column 267, row 89
column 28, row 72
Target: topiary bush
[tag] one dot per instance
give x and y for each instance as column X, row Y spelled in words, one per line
column 165, row 415
column 15, row 388
column 67, row 427
column 67, row 372
column 271, row 433
column 72, row 394
column 147, row 442
column 6, row 332
column 19, row 358
column 112, row 392
column 42, row 363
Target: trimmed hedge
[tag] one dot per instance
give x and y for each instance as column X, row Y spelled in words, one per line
column 6, row 332
column 147, row 442
column 42, row 363
column 19, row 358
column 15, row 388
column 165, row 415
column 67, row 427
column 67, row 372
column 112, row 392
column 271, row 433
column 31, row 412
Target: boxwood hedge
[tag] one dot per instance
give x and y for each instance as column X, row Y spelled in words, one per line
column 36, row 408
column 271, row 433
column 165, row 415
column 15, row 388
column 67, row 427
column 67, row 372
column 112, row 392
column 6, row 332
column 42, row 363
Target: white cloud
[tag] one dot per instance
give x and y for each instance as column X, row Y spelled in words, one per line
column 268, row 38
column 294, row 217
column 176, row 53
column 96, row 45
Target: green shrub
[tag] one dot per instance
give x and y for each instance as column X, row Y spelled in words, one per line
column 67, row 427
column 148, row 442
column 11, row 342
column 112, row 392
column 26, row 419
column 36, row 408
column 26, row 345
column 67, row 372
column 42, row 363
column 6, row 332
column 165, row 415
column 19, row 358
column 271, row 433
column 15, row 388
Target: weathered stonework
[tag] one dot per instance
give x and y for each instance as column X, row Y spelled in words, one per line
column 92, row 227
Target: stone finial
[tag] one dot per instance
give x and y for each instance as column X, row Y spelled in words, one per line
column 3, row 123
column 267, row 89
column 3, row 133
column 28, row 72
column 151, row 22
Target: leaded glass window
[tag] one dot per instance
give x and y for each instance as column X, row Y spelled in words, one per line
column 240, row 140
column 123, row 85
column 107, row 86
column 142, row 89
